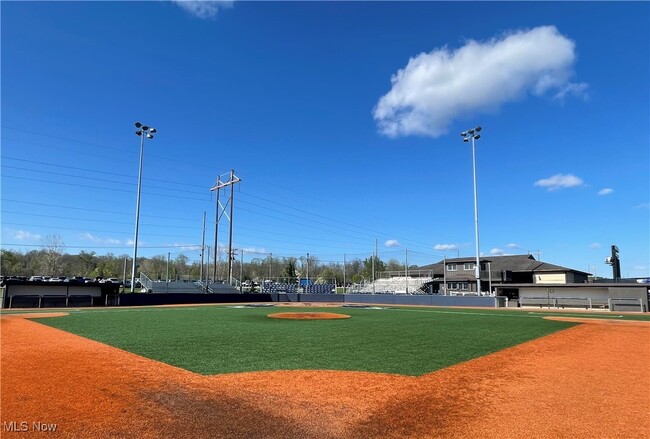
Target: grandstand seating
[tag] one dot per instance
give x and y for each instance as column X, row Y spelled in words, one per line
column 396, row 285
column 274, row 287
column 320, row 289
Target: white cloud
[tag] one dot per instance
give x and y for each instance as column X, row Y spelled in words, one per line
column 203, row 8
column 392, row 243
column 642, row 206
column 186, row 247
column 436, row 88
column 444, row 247
column 98, row 240
column 559, row 181
column 606, row 191
column 256, row 250
column 23, row 235
column 513, row 245
column 596, row 245
column 497, row 252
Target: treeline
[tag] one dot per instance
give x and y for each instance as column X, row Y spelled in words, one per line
column 52, row 261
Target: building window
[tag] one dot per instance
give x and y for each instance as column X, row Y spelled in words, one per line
column 468, row 266
column 464, row 286
column 452, row 267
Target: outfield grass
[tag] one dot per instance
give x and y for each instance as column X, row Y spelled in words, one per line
column 218, row 339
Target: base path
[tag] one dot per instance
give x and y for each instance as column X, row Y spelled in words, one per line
column 589, row 381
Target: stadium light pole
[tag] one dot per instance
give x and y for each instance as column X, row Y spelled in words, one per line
column 474, row 135
column 148, row 132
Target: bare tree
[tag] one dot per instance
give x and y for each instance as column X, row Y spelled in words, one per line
column 53, row 248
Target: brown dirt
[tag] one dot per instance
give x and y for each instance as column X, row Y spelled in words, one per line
column 308, row 315
column 589, row 381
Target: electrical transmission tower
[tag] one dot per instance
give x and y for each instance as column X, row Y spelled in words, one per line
column 221, row 211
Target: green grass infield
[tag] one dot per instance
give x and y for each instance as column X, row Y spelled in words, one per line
column 218, row 339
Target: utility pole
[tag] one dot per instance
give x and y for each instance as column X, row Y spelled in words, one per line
column 344, row 283
column 444, row 274
column 207, row 271
column 124, row 275
column 202, row 247
column 216, row 231
column 372, row 275
column 270, row 264
column 232, row 256
column 406, row 268
column 221, row 210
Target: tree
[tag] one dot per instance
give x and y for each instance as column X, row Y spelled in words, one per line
column 12, row 263
column 155, row 268
column 85, row 264
column 290, row 269
column 53, row 248
column 180, row 265
column 379, row 266
column 394, row 265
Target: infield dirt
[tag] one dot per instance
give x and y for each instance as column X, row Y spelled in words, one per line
column 589, row 381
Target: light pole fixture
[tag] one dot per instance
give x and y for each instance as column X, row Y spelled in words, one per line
column 474, row 135
column 142, row 132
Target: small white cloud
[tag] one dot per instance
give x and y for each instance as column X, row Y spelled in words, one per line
column 23, row 235
column 606, row 191
column 392, row 243
column 512, row 245
column 86, row 236
column 642, row 206
column 203, row 8
column 255, row 250
column 445, row 247
column 596, row 245
column 560, row 181
column 188, row 247
column 497, row 252
column 435, row 88
column 639, row 268
column 579, row 90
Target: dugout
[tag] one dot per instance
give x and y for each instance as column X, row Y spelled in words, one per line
column 41, row 294
column 632, row 297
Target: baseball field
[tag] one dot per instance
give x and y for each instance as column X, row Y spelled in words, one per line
column 394, row 372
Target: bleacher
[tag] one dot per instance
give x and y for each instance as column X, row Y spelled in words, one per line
column 396, row 285
column 275, row 287
column 320, row 289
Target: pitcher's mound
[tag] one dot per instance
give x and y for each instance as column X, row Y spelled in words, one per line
column 308, row 315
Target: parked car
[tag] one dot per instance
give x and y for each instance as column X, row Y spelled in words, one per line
column 36, row 279
column 77, row 280
column 113, row 280
column 58, row 279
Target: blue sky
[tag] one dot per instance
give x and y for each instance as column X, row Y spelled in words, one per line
column 341, row 118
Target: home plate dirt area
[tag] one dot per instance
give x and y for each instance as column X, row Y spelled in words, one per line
column 589, row 381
